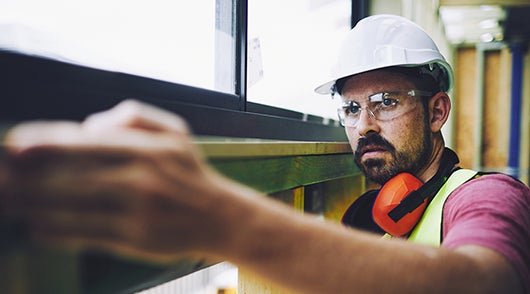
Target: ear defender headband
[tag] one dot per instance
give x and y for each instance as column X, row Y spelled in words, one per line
column 402, row 200
column 398, row 206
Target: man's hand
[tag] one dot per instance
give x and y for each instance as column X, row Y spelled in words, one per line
column 127, row 180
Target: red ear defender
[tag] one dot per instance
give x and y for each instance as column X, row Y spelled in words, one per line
column 390, row 196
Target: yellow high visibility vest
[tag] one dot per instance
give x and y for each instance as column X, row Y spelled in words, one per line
column 429, row 228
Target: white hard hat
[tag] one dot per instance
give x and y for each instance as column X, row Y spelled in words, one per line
column 381, row 41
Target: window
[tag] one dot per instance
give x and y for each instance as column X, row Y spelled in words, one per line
column 291, row 51
column 185, row 56
column 162, row 39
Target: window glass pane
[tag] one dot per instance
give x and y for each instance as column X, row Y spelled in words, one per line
column 163, row 39
column 291, row 51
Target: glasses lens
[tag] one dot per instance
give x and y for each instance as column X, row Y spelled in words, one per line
column 389, row 106
column 382, row 106
column 349, row 113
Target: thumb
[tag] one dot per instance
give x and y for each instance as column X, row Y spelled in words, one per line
column 135, row 114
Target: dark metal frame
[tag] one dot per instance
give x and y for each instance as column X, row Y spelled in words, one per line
column 359, row 10
column 241, row 36
column 37, row 88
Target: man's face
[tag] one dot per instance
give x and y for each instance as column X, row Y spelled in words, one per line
column 384, row 148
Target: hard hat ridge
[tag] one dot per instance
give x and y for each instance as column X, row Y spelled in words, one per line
column 383, row 41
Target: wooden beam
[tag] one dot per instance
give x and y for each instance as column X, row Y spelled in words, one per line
column 251, row 148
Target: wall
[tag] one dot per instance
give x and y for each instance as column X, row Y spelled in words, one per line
column 482, row 128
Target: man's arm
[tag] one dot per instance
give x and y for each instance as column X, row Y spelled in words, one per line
column 136, row 185
column 312, row 256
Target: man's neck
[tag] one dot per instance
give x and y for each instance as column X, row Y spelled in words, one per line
column 433, row 164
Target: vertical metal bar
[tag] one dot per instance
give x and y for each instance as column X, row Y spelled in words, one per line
column 240, row 26
column 359, row 10
column 479, row 107
column 231, row 36
column 517, row 49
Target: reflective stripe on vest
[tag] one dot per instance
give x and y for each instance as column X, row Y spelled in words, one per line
column 428, row 230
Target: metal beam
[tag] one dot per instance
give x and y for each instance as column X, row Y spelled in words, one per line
column 359, row 10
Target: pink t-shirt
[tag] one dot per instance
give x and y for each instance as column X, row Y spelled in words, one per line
column 492, row 211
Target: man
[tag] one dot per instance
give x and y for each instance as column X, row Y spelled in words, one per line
column 144, row 186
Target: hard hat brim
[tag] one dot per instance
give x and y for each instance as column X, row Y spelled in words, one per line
column 329, row 87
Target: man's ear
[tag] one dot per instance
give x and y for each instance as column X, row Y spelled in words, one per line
column 439, row 108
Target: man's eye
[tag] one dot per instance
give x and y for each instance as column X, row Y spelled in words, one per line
column 352, row 109
column 388, row 102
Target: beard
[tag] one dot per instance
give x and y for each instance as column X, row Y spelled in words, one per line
column 410, row 160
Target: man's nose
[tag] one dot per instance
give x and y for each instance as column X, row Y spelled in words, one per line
column 367, row 122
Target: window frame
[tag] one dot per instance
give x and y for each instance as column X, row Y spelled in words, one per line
column 41, row 88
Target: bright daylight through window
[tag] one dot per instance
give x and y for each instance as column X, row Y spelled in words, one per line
column 162, row 39
column 291, row 43
column 291, row 49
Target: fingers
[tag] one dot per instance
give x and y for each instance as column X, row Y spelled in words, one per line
column 130, row 124
column 140, row 227
column 29, row 134
column 57, row 135
column 126, row 179
column 134, row 114
column 72, row 193
column 84, row 204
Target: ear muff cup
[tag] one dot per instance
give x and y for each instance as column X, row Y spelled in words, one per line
column 390, row 196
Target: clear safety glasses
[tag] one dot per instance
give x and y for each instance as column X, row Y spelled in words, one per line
column 382, row 106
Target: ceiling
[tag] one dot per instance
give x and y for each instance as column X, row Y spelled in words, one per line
column 473, row 21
